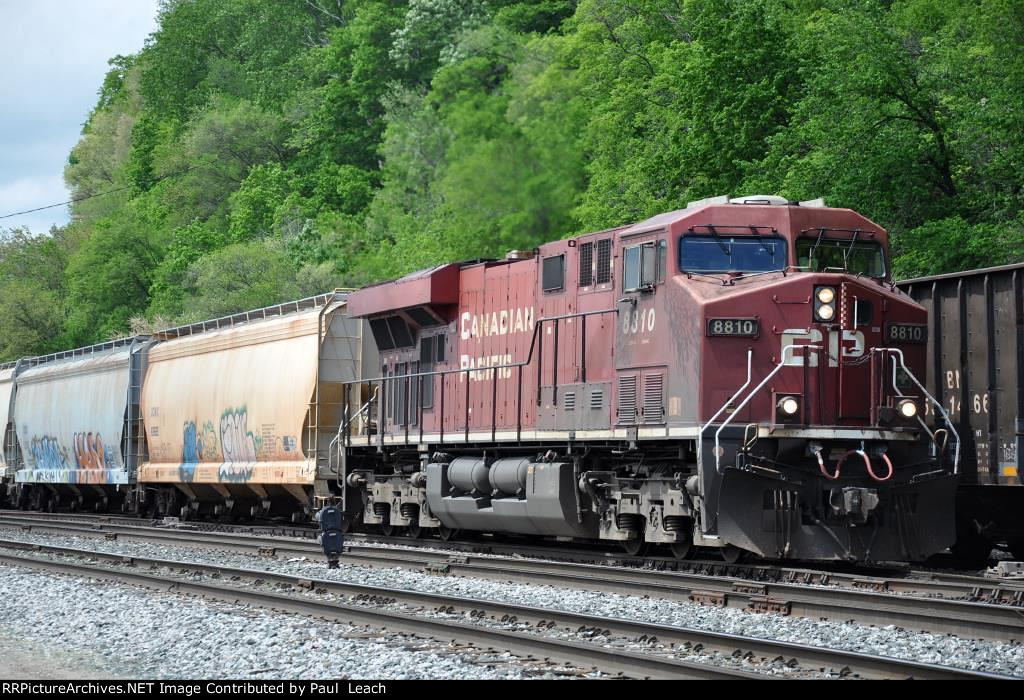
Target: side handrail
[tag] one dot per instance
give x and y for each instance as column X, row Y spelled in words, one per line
column 949, row 423
column 346, row 422
column 751, row 395
column 700, row 433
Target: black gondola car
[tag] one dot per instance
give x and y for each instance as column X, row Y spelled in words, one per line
column 976, row 369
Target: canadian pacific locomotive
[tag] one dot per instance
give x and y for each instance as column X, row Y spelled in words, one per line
column 739, row 374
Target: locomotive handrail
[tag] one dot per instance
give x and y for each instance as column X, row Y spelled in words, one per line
column 939, row 406
column 513, row 365
column 347, row 421
column 535, row 341
column 782, row 362
column 700, row 433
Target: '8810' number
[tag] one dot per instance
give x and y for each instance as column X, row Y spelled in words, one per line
column 732, row 326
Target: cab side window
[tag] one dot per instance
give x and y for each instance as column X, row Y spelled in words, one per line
column 553, row 273
column 644, row 265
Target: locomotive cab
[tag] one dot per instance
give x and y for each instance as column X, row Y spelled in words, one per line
column 812, row 443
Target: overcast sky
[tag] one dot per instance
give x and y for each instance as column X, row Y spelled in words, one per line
column 53, row 56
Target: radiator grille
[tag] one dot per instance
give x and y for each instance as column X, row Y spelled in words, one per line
column 654, row 404
column 604, row 261
column 586, row 264
column 627, row 399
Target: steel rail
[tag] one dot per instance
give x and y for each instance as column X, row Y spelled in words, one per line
column 971, row 614
column 607, row 660
column 910, row 582
column 301, row 542
column 807, row 657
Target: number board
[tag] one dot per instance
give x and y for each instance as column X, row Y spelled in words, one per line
column 744, row 327
column 906, row 333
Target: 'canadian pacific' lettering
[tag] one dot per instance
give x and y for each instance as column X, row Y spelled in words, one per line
column 495, row 323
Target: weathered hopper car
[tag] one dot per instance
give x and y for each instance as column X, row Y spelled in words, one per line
column 8, row 441
column 240, row 412
column 77, row 425
column 739, row 374
column 975, row 346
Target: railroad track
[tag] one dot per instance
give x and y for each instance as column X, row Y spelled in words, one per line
column 519, row 629
column 943, row 607
column 893, row 578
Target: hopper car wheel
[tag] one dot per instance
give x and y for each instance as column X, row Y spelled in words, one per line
column 635, row 547
column 387, row 528
column 731, row 554
column 415, row 531
column 446, row 533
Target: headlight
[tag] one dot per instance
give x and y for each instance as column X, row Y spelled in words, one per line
column 907, row 408
column 824, row 303
column 789, row 405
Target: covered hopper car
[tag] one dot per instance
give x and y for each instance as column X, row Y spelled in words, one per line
column 231, row 417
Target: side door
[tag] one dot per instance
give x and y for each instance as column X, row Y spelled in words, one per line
column 640, row 368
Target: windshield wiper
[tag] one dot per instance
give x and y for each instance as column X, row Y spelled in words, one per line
column 719, row 241
column 814, row 248
column 760, row 241
column 846, row 254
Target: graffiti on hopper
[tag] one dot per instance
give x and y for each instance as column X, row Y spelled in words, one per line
column 198, row 444
column 91, row 453
column 237, row 442
column 48, row 453
column 228, row 449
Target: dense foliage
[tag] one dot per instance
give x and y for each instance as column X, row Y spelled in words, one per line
column 260, row 150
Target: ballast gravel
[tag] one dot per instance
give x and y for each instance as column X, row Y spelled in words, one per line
column 120, row 630
column 889, row 641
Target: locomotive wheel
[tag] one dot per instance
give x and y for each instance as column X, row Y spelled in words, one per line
column 731, row 554
column 446, row 533
column 635, row 547
column 682, row 550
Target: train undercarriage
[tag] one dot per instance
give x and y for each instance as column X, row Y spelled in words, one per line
column 778, row 499
column 793, row 499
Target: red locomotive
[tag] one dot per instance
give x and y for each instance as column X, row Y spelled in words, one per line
column 740, row 374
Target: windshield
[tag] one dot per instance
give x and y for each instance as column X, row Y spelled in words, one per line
column 830, row 253
column 731, row 254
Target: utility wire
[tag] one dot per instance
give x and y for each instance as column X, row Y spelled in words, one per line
column 70, row 201
column 100, row 194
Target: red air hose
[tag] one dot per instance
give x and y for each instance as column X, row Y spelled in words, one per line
column 824, row 470
column 871, row 472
